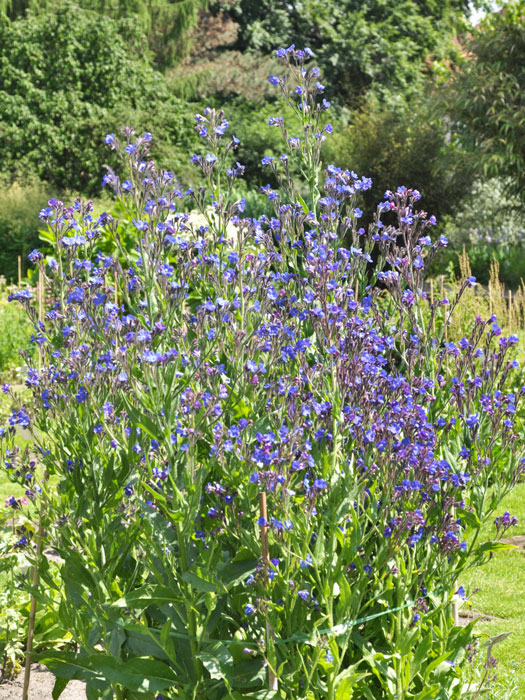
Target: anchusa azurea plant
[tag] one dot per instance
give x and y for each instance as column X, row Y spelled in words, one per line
column 185, row 376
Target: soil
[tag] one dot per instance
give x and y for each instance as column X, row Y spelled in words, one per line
column 40, row 687
column 465, row 616
column 517, row 540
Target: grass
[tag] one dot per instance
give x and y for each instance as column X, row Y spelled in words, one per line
column 501, row 594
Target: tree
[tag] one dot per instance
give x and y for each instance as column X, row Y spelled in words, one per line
column 403, row 144
column 486, row 95
column 67, row 77
column 359, row 44
column 167, row 24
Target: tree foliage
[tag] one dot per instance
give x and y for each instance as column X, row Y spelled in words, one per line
column 167, row 24
column 66, row 78
column 403, row 144
column 361, row 44
column 487, row 95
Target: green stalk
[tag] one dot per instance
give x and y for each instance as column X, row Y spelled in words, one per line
column 190, row 613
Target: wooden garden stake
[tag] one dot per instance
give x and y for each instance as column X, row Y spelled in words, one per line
column 19, row 270
column 40, row 311
column 34, row 572
column 445, row 317
column 432, row 307
column 32, row 610
column 273, row 683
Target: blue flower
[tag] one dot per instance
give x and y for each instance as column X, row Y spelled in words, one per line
column 305, row 563
column 461, row 593
column 34, row 256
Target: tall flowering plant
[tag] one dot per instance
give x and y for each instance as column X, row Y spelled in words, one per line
column 268, row 464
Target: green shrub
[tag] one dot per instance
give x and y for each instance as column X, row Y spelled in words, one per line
column 67, row 78
column 15, row 331
column 402, row 143
column 493, row 231
column 19, row 225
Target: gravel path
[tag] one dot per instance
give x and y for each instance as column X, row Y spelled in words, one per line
column 41, row 687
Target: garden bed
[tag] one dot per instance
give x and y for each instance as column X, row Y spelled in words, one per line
column 41, row 687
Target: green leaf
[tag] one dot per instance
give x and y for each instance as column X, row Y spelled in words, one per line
column 303, row 204
column 99, row 690
column 145, row 596
column 237, row 571
column 249, row 674
column 198, row 583
column 260, row 695
column 487, row 547
column 59, row 687
column 217, row 660
column 420, row 654
column 117, row 639
column 470, row 518
column 66, row 665
column 138, row 674
column 346, row 681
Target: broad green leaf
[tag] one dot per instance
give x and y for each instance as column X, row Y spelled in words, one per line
column 117, row 639
column 145, row 596
column 303, row 204
column 217, row 660
column 198, row 583
column 59, row 687
column 237, row 571
column 494, row 547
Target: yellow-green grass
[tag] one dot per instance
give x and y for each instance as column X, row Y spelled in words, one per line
column 501, row 594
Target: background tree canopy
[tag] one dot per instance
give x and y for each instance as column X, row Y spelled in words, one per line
column 66, row 79
column 167, row 25
column 418, row 97
column 487, row 95
column 361, row 44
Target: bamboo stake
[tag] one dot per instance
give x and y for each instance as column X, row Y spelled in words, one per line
column 510, row 309
column 34, row 572
column 273, row 683
column 41, row 296
column 32, row 610
column 445, row 319
column 432, row 307
column 40, row 311
column 19, row 270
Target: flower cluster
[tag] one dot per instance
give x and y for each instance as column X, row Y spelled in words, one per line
column 186, row 371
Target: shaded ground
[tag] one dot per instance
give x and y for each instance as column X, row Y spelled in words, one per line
column 41, row 687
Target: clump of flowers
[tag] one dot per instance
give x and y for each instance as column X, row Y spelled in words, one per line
column 271, row 470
